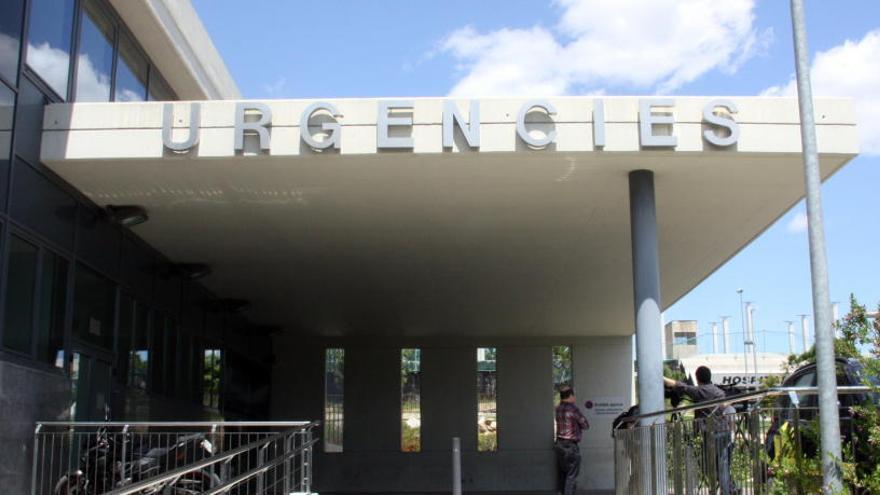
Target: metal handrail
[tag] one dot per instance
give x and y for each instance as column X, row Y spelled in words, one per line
column 759, row 394
column 267, row 424
column 210, row 461
column 255, row 471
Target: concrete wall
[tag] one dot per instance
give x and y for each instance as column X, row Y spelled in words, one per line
column 371, row 460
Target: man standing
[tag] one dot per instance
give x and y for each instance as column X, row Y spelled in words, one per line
column 715, row 424
column 570, row 424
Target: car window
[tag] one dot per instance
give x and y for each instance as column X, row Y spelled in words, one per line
column 808, row 379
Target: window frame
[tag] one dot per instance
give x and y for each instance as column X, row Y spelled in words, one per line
column 30, row 357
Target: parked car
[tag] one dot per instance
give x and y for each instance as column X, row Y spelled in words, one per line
column 806, row 408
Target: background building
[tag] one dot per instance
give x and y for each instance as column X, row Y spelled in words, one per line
column 681, row 338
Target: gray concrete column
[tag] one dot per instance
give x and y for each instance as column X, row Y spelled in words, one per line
column 646, row 289
column 646, row 299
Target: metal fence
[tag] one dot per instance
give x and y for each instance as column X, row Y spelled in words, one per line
column 757, row 443
column 182, row 458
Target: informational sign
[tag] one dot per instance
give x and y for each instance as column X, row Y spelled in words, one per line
column 94, row 326
column 750, row 380
column 610, row 406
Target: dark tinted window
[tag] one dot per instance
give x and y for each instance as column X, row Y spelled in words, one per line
column 10, row 37
column 138, row 267
column 124, row 333
column 94, row 301
column 20, row 290
column 7, row 110
column 97, row 240
column 42, row 205
column 52, row 305
column 95, row 63
column 48, row 50
column 159, row 90
column 29, row 121
column 158, row 354
column 131, row 72
column 139, row 354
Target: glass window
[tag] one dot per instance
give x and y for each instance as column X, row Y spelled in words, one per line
column 124, row 331
column 487, row 411
column 41, row 204
column 334, row 394
column 562, row 373
column 139, row 353
column 20, row 288
column 410, row 400
column 157, row 324
column 7, row 110
column 159, row 90
column 211, row 372
column 170, row 375
column 93, row 308
column 183, row 363
column 10, row 38
column 48, row 49
column 95, row 62
column 131, row 72
column 685, row 339
column 52, row 305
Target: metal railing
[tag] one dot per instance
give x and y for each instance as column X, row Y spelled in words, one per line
column 733, row 445
column 179, row 458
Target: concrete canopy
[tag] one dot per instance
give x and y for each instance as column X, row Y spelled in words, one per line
column 504, row 241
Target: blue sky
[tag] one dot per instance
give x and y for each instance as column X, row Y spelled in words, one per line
column 356, row 48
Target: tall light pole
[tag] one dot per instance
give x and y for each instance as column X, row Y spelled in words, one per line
column 790, row 336
column 725, row 329
column 829, row 425
column 742, row 320
column 753, row 337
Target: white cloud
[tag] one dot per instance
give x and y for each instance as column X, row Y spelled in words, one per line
column 798, row 223
column 51, row 64
column 851, row 69
column 654, row 44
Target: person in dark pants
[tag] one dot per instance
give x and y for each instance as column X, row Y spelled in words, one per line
column 714, row 423
column 570, row 424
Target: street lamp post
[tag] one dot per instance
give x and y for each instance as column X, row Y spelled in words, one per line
column 742, row 319
column 829, row 422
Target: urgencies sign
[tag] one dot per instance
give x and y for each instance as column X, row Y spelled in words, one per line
column 722, row 131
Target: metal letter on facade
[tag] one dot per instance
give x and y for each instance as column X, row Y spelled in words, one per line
column 648, row 119
column 598, row 123
column 451, row 116
column 333, row 129
column 383, row 122
column 523, row 133
column 168, row 128
column 260, row 126
column 712, row 118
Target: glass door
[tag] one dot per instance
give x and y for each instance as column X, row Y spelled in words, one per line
column 91, row 387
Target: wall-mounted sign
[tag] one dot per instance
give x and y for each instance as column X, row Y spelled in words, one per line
column 322, row 126
column 610, row 406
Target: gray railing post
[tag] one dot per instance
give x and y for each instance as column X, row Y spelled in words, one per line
column 261, row 460
column 124, row 449
column 287, row 448
column 307, row 473
column 36, row 458
column 456, row 466
column 677, row 459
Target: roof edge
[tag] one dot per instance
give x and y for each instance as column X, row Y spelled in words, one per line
column 174, row 37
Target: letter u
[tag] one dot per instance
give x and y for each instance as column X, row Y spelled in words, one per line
column 168, row 126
